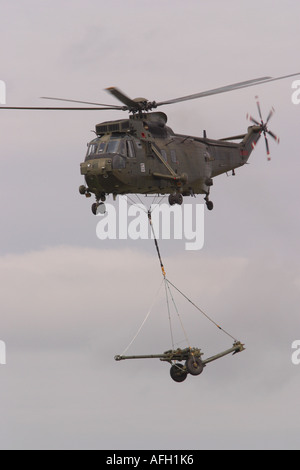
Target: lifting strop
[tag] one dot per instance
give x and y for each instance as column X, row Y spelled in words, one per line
column 192, row 357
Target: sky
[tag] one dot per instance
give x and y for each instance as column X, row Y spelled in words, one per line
column 70, row 302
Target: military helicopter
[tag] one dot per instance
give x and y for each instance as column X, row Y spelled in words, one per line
column 142, row 155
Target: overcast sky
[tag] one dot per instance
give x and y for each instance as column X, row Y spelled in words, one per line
column 70, row 302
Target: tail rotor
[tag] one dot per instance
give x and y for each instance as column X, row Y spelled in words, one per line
column 264, row 126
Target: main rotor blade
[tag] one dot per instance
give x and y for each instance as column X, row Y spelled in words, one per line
column 82, row 102
column 53, row 109
column 122, row 97
column 215, row 91
column 235, row 86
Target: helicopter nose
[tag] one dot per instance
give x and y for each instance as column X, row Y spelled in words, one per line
column 100, row 166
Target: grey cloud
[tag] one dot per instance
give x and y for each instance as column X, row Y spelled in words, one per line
column 68, row 311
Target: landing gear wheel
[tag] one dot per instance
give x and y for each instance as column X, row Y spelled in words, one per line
column 179, row 199
column 172, row 199
column 210, row 205
column 175, row 199
column 178, row 373
column 94, row 208
column 98, row 208
column 82, row 189
column 101, row 208
column 194, row 365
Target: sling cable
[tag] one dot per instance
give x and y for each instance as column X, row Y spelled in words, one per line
column 191, row 357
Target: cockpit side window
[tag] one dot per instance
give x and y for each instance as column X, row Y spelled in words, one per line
column 113, row 146
column 101, row 147
column 122, row 148
column 92, row 148
column 130, row 149
column 121, row 145
column 96, row 148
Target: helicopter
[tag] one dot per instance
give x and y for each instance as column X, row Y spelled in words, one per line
column 142, row 155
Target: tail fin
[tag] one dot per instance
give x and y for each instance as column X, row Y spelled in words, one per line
column 249, row 142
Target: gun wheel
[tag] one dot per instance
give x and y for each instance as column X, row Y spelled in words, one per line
column 178, row 373
column 194, row 365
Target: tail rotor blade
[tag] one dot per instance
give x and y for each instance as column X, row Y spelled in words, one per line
column 267, row 147
column 259, row 110
column 253, row 120
column 270, row 115
column 274, row 136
